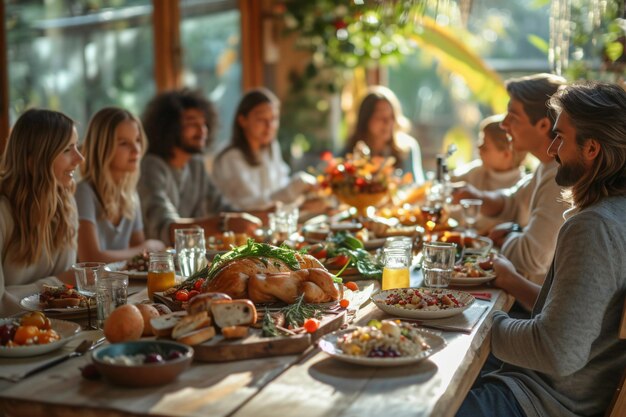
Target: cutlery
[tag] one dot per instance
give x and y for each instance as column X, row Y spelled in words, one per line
column 481, row 295
column 84, row 347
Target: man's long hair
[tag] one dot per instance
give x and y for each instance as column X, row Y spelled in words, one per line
column 597, row 111
column 162, row 119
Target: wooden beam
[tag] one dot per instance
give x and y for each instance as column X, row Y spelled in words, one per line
column 4, row 82
column 167, row 48
column 251, row 43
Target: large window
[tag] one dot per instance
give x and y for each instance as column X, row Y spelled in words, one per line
column 210, row 38
column 77, row 56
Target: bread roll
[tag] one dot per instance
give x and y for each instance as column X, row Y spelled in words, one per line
column 202, row 302
column 233, row 313
column 197, row 336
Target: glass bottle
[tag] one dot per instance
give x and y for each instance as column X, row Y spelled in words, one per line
column 161, row 275
column 397, row 260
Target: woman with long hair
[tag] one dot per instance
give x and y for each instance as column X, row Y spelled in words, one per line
column 37, row 211
column 251, row 172
column 382, row 126
column 110, row 223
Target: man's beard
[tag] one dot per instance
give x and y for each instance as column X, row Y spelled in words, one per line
column 570, row 174
column 193, row 150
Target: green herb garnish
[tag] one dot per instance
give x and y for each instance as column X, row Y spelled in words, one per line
column 298, row 312
column 268, row 327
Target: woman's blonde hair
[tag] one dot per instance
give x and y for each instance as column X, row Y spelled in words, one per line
column 99, row 151
column 44, row 212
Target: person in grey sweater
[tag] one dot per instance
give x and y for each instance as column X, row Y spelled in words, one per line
column 566, row 360
column 174, row 187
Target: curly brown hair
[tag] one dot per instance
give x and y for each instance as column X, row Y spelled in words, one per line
column 162, row 119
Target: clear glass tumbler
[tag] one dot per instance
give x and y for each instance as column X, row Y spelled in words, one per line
column 438, row 263
column 191, row 250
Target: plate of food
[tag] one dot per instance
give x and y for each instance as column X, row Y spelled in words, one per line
column 32, row 335
column 135, row 267
column 387, row 343
column 423, row 303
column 62, row 299
column 473, row 270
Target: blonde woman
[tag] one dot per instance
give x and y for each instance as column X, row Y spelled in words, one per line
column 37, row 211
column 381, row 125
column 110, row 224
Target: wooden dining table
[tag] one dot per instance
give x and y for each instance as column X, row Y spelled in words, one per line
column 310, row 384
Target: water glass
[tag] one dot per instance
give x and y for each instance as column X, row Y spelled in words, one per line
column 191, row 250
column 283, row 223
column 438, row 263
column 471, row 211
column 111, row 292
column 86, row 274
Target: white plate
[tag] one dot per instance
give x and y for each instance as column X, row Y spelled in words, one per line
column 462, row 297
column 121, row 268
column 328, row 344
column 472, row 281
column 31, row 303
column 66, row 329
column 374, row 243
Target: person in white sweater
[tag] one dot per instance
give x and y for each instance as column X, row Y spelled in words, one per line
column 250, row 172
column 38, row 221
column 567, row 359
column 535, row 206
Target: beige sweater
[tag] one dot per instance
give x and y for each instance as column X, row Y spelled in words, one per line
column 536, row 205
column 19, row 281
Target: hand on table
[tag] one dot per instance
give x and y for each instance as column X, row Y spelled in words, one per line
column 499, row 233
column 466, row 191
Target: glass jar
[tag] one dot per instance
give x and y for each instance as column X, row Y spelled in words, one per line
column 161, row 275
column 397, row 260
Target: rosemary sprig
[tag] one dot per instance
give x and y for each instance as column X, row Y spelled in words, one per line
column 298, row 312
column 268, row 327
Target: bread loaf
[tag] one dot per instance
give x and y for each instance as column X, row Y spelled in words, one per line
column 202, row 302
column 197, row 336
column 162, row 326
column 316, row 284
column 190, row 323
column 228, row 313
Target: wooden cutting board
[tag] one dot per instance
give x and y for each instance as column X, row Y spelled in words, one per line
column 254, row 346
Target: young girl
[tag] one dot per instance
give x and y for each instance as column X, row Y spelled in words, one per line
column 111, row 227
column 380, row 125
column 37, row 211
column 251, row 172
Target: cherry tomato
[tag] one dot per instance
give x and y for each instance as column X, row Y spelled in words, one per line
column 351, row 285
column 193, row 293
column 337, row 261
column 198, row 284
column 318, row 251
column 182, row 295
column 344, row 303
column 311, row 325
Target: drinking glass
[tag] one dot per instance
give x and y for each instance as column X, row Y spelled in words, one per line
column 471, row 211
column 86, row 274
column 397, row 259
column 191, row 250
column 283, row 223
column 111, row 292
column 161, row 274
column 438, row 263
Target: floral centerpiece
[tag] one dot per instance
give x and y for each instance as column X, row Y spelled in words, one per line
column 358, row 179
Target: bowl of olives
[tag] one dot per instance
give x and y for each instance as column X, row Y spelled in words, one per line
column 142, row 363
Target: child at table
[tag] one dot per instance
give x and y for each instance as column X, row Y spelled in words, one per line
column 251, row 172
column 110, row 223
column 37, row 211
column 499, row 165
